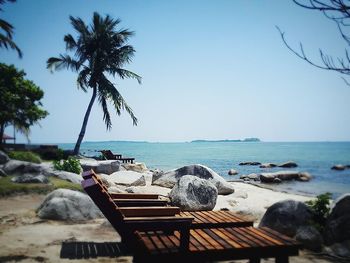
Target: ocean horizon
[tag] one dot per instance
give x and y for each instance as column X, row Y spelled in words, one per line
column 316, row 158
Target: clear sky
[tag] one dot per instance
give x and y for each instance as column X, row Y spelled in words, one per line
column 210, row 69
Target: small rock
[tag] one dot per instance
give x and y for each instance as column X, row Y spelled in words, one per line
column 191, row 193
column 136, row 167
column 249, row 163
column 232, row 172
column 30, row 178
column 288, row 164
column 304, row 177
column 268, row 165
column 3, row 158
column 64, row 175
column 277, row 181
column 339, row 167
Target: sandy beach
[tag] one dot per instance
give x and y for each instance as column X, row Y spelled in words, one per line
column 26, row 238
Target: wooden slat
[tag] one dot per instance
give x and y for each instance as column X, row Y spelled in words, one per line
column 236, row 241
column 254, row 237
column 149, row 211
column 210, row 217
column 201, row 240
column 227, row 237
column 267, row 237
column 279, row 236
column 218, row 237
column 242, row 238
column 158, row 242
column 210, row 240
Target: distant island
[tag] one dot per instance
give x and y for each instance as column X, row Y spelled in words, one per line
column 245, row 140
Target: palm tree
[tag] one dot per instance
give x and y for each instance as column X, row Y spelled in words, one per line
column 6, row 39
column 100, row 51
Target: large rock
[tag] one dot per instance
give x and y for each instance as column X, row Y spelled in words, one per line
column 287, row 217
column 310, row 237
column 338, row 226
column 3, row 158
column 30, row 178
column 128, row 178
column 248, row 177
column 284, row 176
column 105, row 167
column 2, row 173
column 64, row 204
column 136, row 167
column 170, row 178
column 191, row 193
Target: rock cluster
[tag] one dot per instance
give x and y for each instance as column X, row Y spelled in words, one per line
column 284, row 176
column 294, row 219
column 169, row 179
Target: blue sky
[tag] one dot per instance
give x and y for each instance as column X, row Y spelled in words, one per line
column 210, row 69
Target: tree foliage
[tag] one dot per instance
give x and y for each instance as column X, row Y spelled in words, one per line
column 338, row 11
column 19, row 101
column 99, row 52
column 7, row 34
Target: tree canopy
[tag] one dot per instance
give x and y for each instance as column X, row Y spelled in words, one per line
column 19, row 101
column 100, row 51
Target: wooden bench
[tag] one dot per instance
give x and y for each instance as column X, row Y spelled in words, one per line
column 156, row 236
column 109, row 155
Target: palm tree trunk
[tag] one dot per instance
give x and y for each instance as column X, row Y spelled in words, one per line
column 2, row 130
column 83, row 127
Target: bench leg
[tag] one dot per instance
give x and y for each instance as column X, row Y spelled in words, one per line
column 254, row 260
column 282, row 259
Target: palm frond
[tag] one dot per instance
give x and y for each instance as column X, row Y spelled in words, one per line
column 8, row 43
column 7, row 27
column 106, row 115
column 70, row 42
column 63, row 62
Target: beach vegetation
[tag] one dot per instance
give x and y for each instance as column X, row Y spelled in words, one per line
column 25, row 156
column 7, row 187
column 99, row 53
column 19, row 101
column 6, row 33
column 72, row 165
column 320, row 208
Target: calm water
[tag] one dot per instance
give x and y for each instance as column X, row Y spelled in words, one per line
column 314, row 157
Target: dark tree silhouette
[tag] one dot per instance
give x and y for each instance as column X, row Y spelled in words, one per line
column 337, row 11
column 6, row 37
column 99, row 52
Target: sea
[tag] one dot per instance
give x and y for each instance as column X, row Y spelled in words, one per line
column 316, row 158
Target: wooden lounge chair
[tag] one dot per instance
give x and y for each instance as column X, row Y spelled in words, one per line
column 200, row 218
column 172, row 238
column 108, row 155
column 128, row 199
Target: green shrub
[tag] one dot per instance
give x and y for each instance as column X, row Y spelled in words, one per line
column 320, row 208
column 25, row 156
column 70, row 165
